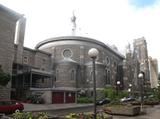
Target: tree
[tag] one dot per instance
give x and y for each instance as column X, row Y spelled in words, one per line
column 4, row 78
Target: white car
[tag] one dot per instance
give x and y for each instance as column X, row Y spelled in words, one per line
column 127, row 99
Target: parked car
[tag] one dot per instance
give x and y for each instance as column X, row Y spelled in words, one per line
column 127, row 99
column 103, row 101
column 10, row 106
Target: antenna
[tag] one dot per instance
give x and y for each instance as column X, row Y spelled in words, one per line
column 73, row 20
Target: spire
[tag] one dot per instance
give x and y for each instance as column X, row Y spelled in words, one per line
column 128, row 48
column 73, row 20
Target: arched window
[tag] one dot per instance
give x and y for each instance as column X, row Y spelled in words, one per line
column 107, row 61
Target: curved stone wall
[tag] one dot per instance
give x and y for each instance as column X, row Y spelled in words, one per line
column 71, row 61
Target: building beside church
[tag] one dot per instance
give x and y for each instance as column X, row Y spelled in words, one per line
column 137, row 61
column 153, row 67
column 58, row 68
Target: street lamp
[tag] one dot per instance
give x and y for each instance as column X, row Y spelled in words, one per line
column 130, row 89
column 130, row 85
column 140, row 76
column 118, row 83
column 93, row 53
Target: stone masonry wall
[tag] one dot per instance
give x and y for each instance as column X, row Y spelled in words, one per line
column 7, row 31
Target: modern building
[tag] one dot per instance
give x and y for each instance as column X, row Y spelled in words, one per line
column 58, row 69
column 140, row 47
column 153, row 68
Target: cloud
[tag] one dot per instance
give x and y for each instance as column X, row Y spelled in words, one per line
column 142, row 3
column 110, row 21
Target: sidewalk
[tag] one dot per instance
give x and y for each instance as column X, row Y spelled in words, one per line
column 44, row 107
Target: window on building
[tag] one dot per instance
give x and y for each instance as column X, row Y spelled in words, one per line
column 43, row 61
column 72, row 75
column 57, row 74
column 91, row 75
column 115, row 64
column 107, row 61
column 25, row 60
column 108, row 77
column 42, row 80
column 67, row 53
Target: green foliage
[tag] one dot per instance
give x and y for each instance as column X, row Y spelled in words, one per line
column 4, row 78
column 84, row 100
column 89, row 115
column 35, row 99
column 112, row 93
column 30, row 115
column 156, row 93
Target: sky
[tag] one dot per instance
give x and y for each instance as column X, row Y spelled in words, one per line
column 116, row 22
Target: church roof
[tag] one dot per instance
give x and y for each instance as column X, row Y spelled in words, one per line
column 78, row 38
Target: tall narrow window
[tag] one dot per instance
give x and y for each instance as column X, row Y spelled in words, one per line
column 91, row 75
column 57, row 74
column 42, row 80
column 72, row 75
column 43, row 61
column 108, row 77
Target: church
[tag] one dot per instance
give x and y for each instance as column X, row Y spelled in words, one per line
column 58, row 68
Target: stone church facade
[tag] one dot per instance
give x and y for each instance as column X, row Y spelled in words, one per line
column 58, row 68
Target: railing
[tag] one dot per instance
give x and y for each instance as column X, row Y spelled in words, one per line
column 37, row 85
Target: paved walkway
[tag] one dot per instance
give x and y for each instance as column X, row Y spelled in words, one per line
column 43, row 107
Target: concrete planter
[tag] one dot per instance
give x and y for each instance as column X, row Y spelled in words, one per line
column 152, row 103
column 122, row 110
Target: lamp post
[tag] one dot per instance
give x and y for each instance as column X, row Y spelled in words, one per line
column 93, row 53
column 140, row 76
column 130, row 89
column 118, row 83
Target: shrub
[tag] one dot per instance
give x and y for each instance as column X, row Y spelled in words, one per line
column 35, row 99
column 84, row 100
column 30, row 115
column 112, row 93
column 4, row 78
column 87, row 115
